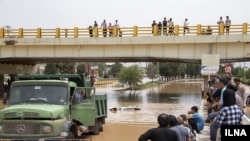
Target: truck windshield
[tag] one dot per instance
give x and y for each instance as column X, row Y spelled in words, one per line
column 37, row 94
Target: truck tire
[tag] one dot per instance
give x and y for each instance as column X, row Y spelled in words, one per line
column 70, row 136
column 98, row 127
column 101, row 127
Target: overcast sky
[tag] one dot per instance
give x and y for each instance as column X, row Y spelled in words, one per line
column 82, row 13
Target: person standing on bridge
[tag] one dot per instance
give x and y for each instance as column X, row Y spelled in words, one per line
column 104, row 28
column 165, row 24
column 153, row 26
column 90, row 31
column 95, row 24
column 159, row 28
column 185, row 26
column 227, row 24
column 116, row 27
column 220, row 21
column 171, row 27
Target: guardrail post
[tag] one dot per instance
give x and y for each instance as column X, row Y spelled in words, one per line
column 66, row 32
column 75, row 32
column 1, row 32
column 95, row 32
column 115, row 31
column 57, row 33
column 198, row 29
column 39, row 33
column 20, row 33
column 177, row 30
column 244, row 28
column 221, row 29
column 135, row 31
column 155, row 30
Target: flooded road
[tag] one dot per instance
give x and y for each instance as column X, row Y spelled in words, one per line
column 126, row 125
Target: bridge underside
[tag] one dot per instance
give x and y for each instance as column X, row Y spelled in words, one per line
column 179, row 49
column 34, row 61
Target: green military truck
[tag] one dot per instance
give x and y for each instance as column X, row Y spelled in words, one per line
column 43, row 107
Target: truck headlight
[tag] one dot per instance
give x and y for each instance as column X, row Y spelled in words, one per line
column 47, row 129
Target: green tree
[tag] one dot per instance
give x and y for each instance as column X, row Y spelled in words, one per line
column 164, row 70
column 167, row 70
column 182, row 69
column 131, row 75
column 19, row 69
column 247, row 74
column 60, row 68
column 80, row 69
column 115, row 69
column 51, row 68
column 66, row 68
column 152, row 71
column 193, row 70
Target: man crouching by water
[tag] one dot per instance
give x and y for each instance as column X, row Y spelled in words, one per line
column 196, row 120
column 161, row 133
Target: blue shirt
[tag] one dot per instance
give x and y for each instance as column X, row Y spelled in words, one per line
column 77, row 98
column 200, row 121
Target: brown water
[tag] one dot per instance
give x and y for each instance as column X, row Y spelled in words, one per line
column 126, row 125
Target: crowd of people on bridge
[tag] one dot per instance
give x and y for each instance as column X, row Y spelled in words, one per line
column 166, row 27
column 107, row 29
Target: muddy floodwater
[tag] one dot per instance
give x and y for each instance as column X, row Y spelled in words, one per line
column 126, row 125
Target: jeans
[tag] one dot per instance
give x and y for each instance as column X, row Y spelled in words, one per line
column 213, row 129
column 212, row 115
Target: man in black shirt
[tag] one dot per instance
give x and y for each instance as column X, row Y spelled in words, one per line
column 161, row 133
column 165, row 24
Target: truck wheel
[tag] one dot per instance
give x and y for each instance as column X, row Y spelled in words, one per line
column 98, row 127
column 70, row 136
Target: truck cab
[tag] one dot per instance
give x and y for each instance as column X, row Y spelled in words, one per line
column 43, row 107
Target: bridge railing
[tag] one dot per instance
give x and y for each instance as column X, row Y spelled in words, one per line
column 134, row 31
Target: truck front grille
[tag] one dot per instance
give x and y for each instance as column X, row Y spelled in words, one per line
column 21, row 128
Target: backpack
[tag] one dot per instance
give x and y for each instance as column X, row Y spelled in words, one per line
column 248, row 100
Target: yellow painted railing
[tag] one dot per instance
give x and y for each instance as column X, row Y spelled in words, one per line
column 135, row 31
column 105, row 81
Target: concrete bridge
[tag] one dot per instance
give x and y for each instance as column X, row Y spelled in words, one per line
column 28, row 47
